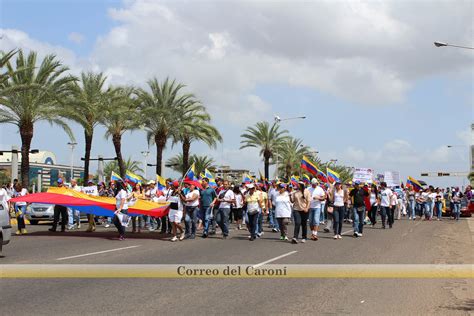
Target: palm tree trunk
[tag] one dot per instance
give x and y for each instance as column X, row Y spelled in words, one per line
column 87, row 155
column 117, row 140
column 160, row 141
column 267, row 167
column 26, row 134
column 288, row 171
column 186, row 148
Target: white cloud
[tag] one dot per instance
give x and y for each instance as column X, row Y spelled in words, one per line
column 76, row 38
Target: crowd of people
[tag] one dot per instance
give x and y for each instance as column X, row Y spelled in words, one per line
column 250, row 205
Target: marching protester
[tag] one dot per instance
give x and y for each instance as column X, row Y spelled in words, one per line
column 137, row 220
column 439, row 203
column 457, row 196
column 301, row 200
column 91, row 189
column 60, row 210
column 315, row 207
column 358, row 195
column 20, row 209
column 253, row 201
column 282, row 209
column 386, row 197
column 338, row 197
column 175, row 215
column 226, row 199
column 273, row 224
column 238, row 208
column 207, row 200
column 411, row 197
column 121, row 208
column 191, row 211
column 374, row 205
column 74, row 215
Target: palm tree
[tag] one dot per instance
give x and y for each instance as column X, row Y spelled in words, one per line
column 345, row 173
column 41, row 88
column 4, row 59
column 86, row 107
column 194, row 125
column 160, row 111
column 268, row 139
column 131, row 165
column 120, row 115
column 200, row 163
column 290, row 155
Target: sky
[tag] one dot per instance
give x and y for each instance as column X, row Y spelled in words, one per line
column 375, row 91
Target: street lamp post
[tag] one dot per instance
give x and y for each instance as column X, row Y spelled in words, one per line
column 278, row 120
column 443, row 44
column 72, row 145
column 145, row 154
column 100, row 169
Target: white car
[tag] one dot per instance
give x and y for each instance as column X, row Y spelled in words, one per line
column 36, row 212
column 5, row 227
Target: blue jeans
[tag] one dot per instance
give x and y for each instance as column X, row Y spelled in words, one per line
column 359, row 217
column 457, row 210
column 439, row 209
column 222, row 219
column 411, row 209
column 338, row 216
column 190, row 220
column 323, row 217
column 20, row 217
column 73, row 215
column 252, row 224
column 428, row 210
column 273, row 221
column 314, row 216
column 208, row 217
column 260, row 221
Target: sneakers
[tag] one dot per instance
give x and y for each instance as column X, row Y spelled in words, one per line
column 121, row 238
column 174, row 239
column 303, row 240
column 18, row 232
column 335, row 237
column 79, row 225
column 326, row 230
column 294, row 241
column 274, row 230
column 181, row 237
column 359, row 235
column 107, row 225
column 52, row 230
column 355, row 235
column 192, row 236
column 204, row 235
column 282, row 237
column 286, row 238
column 24, row 232
column 339, row 237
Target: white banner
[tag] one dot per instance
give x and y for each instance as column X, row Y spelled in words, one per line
column 364, row 175
column 392, row 178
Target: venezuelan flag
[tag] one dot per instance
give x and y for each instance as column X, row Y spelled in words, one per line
column 161, row 182
column 307, row 165
column 294, row 180
column 133, row 178
column 191, row 174
column 212, row 180
column 333, row 176
column 322, row 176
column 306, row 179
column 115, row 177
column 415, row 183
column 247, row 179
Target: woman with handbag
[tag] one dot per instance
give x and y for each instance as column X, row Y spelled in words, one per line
column 121, row 208
column 175, row 215
column 254, row 205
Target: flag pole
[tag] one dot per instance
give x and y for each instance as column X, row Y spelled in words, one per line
column 182, row 180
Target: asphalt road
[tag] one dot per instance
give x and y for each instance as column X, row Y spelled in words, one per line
column 407, row 243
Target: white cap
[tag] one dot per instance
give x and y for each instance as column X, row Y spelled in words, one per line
column 314, row 181
column 151, row 182
column 251, row 186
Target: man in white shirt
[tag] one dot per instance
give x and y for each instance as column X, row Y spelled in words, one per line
column 317, row 196
column 73, row 215
column 226, row 198
column 385, row 204
column 90, row 189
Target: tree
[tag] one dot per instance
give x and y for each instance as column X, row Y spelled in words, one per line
column 160, row 110
column 194, row 125
column 131, row 165
column 201, row 163
column 269, row 139
column 31, row 95
column 120, row 115
column 86, row 107
column 4, row 59
column 290, row 155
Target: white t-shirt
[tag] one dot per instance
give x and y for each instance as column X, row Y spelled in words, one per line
column 118, row 199
column 339, row 198
column 282, row 205
column 373, row 198
column 229, row 195
column 385, row 197
column 432, row 196
column 272, row 194
column 316, row 193
column 23, row 192
column 190, row 195
column 76, row 188
column 175, row 199
column 91, row 190
column 3, row 196
column 239, row 201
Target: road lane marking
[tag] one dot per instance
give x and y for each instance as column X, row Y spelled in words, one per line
column 274, row 259
column 349, row 231
column 97, row 253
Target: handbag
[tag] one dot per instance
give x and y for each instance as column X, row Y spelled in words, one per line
column 330, row 209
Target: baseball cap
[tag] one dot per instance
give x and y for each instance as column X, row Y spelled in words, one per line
column 60, row 180
column 151, row 182
column 356, row 182
column 175, row 183
column 251, row 186
column 282, row 185
column 314, row 181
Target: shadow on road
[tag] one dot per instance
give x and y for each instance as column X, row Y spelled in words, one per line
column 467, row 306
